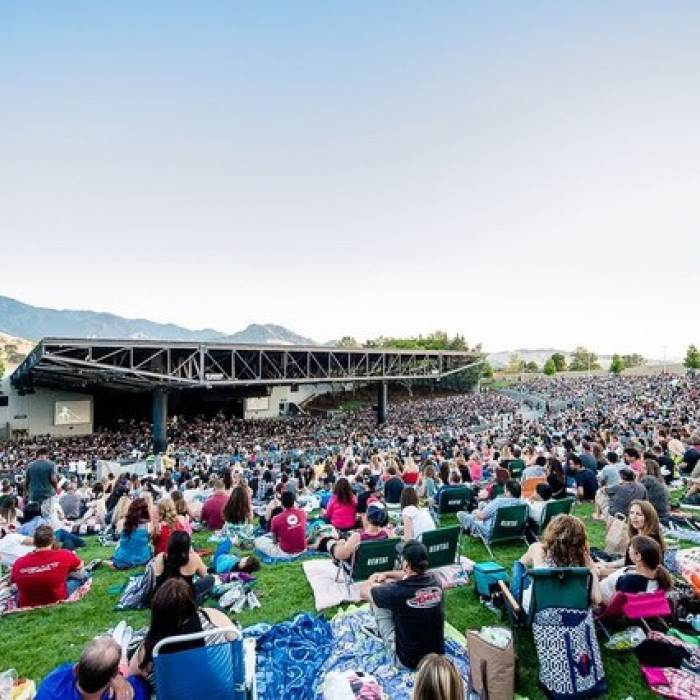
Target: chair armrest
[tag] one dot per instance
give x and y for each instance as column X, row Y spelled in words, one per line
column 249, row 661
column 508, row 596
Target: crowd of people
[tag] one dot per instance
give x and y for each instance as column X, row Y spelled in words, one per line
column 617, row 442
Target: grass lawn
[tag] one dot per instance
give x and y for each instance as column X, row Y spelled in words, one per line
column 33, row 643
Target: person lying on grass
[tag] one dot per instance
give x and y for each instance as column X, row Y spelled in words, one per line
column 375, row 529
column 95, row 677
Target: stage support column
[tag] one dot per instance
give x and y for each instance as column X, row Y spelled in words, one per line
column 382, row 402
column 160, row 420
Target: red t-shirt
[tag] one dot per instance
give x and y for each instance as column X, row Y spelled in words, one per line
column 289, row 528
column 41, row 576
column 410, row 478
column 211, row 511
column 161, row 544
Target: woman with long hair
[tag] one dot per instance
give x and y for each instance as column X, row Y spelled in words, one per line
column 341, row 512
column 416, row 520
column 646, row 573
column 167, row 524
column 410, row 474
column 564, row 544
column 437, row 679
column 556, row 478
column 133, row 548
column 174, row 612
column 237, row 510
column 184, row 515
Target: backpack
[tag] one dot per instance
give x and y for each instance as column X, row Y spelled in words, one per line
column 137, row 591
column 568, row 653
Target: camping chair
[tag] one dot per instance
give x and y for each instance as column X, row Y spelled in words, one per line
column 529, row 486
column 221, row 671
column 453, row 500
column 442, row 545
column 510, row 523
column 565, row 587
column 551, row 509
column 636, row 607
column 369, row 558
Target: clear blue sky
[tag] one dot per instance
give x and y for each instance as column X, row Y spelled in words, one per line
column 524, row 173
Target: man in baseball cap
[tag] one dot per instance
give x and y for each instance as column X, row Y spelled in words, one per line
column 408, row 606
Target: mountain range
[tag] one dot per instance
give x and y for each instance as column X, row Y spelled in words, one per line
column 26, row 321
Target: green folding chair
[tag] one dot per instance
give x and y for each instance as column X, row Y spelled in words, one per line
column 509, row 525
column 551, row 509
column 566, row 587
column 442, row 545
column 452, row 500
column 369, row 558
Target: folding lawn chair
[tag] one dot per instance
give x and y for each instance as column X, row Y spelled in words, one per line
column 529, row 486
column 551, row 509
column 636, row 607
column 221, row 671
column 369, row 558
column 452, row 500
column 565, row 587
column 510, row 523
column 442, row 545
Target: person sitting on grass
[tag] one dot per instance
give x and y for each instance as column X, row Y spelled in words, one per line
column 437, row 679
column 375, row 529
column 133, row 548
column 416, row 520
column 408, row 607
column 645, row 575
column 167, row 524
column 95, row 677
column 287, row 538
column 174, row 611
column 482, row 521
column 341, row 511
column 181, row 561
column 48, row 574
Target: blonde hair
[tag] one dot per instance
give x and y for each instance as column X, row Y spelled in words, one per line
column 437, row 679
column 167, row 513
column 121, row 509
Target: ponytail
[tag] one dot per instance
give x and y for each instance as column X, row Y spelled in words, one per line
column 663, row 578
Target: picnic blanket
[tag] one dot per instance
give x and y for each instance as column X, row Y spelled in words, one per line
column 10, row 606
column 354, row 648
column 321, row 575
column 289, row 656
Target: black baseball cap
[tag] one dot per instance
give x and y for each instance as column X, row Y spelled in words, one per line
column 415, row 554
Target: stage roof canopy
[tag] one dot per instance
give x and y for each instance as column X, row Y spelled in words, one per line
column 143, row 365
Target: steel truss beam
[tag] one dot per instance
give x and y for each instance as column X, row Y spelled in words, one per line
column 150, row 364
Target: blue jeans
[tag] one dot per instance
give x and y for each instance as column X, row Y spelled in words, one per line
column 68, row 540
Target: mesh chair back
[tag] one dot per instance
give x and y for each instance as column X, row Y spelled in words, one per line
column 442, row 545
column 215, row 672
column 559, row 588
column 374, row 557
column 454, row 499
column 509, row 523
column 553, row 508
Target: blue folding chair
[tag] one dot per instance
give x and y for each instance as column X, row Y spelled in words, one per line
column 221, row 671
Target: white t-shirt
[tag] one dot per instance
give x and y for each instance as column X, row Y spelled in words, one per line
column 12, row 548
column 420, row 518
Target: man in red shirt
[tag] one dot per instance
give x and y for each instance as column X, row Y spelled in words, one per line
column 288, row 532
column 40, row 576
column 212, row 509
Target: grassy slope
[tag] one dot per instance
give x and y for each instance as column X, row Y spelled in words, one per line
column 35, row 642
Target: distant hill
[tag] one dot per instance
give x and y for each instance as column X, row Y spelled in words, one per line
column 35, row 322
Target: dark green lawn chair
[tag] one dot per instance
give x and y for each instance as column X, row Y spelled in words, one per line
column 568, row 587
column 442, row 545
column 509, row 525
column 452, row 500
column 551, row 509
column 369, row 558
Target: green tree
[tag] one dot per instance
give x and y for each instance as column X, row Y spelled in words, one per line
column 347, row 341
column 437, row 340
column 633, row 360
column 583, row 359
column 692, row 357
column 515, row 364
column 617, row 364
column 486, row 371
column 559, row 362
column 2, row 367
column 550, row 367
column 532, row 366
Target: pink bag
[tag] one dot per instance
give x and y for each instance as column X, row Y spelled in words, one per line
column 673, row 682
column 638, row 605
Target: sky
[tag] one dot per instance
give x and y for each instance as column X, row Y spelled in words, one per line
column 526, row 174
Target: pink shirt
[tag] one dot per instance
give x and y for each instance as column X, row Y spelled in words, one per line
column 341, row 515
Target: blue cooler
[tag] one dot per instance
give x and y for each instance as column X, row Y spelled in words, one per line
column 486, row 575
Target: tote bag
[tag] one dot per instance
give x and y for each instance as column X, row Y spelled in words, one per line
column 568, row 653
column 491, row 669
column 616, row 538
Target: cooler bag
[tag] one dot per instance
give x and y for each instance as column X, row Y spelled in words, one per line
column 486, row 576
